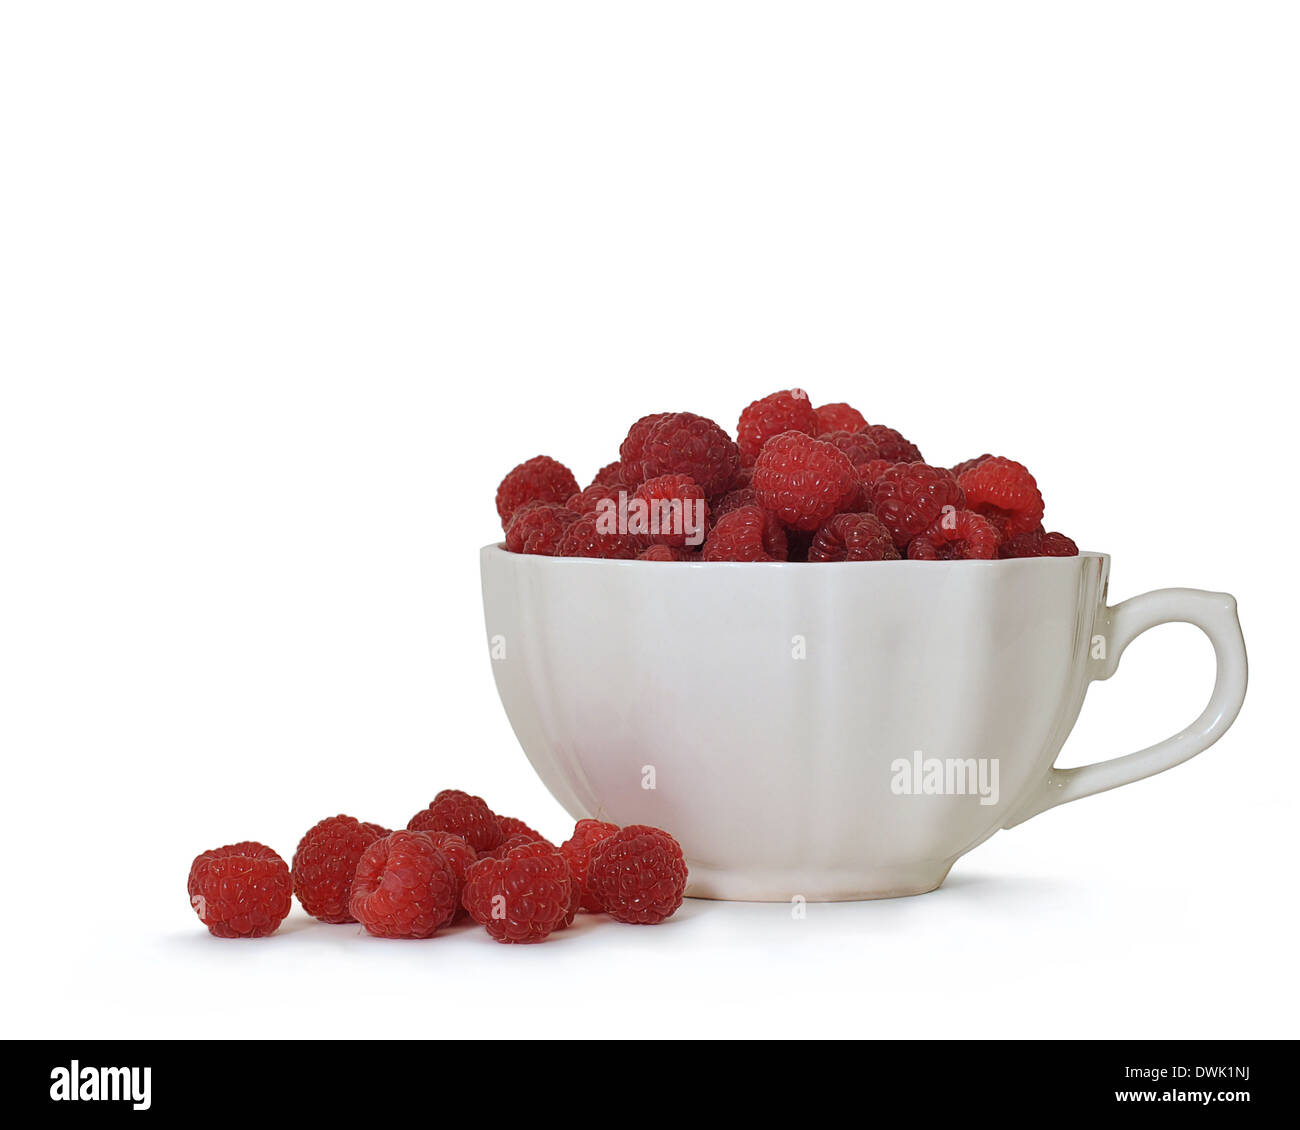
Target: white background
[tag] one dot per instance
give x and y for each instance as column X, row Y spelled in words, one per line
column 287, row 288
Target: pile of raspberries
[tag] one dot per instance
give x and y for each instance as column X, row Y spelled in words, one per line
column 454, row 861
column 797, row 483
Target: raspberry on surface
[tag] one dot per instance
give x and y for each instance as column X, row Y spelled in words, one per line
column 682, row 443
column 461, row 857
column 1037, row 543
column 586, row 501
column 540, row 479
column 537, row 528
column 789, row 410
column 678, row 510
column 668, row 553
column 802, row 480
column 463, row 815
column 892, row 444
column 596, row 535
column 748, row 533
column 632, row 450
column 839, row 418
column 910, row 497
column 325, row 864
column 521, row 898
column 637, row 875
column 242, row 890
column 546, row 849
column 610, row 475
column 405, row 887
column 1005, row 493
column 852, row 537
column 577, row 851
column 959, row 535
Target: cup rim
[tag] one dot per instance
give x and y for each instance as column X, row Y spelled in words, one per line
column 544, row 561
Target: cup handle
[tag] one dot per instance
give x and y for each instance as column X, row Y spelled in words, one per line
column 1215, row 613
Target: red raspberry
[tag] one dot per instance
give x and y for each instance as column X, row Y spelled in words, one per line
column 596, row 535
column 838, row 418
column 461, row 857
column 577, row 851
column 724, row 504
column 512, row 826
column 786, row 411
column 853, row 537
column 678, row 510
column 637, row 875
column 326, row 862
column 861, row 449
column 802, row 480
column 586, row 501
column 967, row 464
column 1036, row 543
column 1005, row 493
column 610, row 475
column 521, row 898
column 405, row 887
column 516, row 840
column 958, row 536
column 544, row 849
column 747, row 534
column 682, row 443
column 871, row 470
column 668, row 553
column 742, row 479
column 463, row 815
column 540, row 479
column 537, row 527
column 242, row 890
column 892, row 444
column 632, row 450
column 909, row 497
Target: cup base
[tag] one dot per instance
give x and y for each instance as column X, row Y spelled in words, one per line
column 819, row 886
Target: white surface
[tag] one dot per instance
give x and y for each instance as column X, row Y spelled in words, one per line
column 287, row 288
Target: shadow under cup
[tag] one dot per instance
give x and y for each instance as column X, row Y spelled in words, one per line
column 831, row 731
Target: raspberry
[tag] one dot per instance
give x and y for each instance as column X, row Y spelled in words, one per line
column 545, row 849
column 326, row 862
column 1005, row 493
column 632, row 450
column 577, row 851
column 521, row 898
column 668, row 553
column 839, row 418
column 742, row 479
column 463, row 815
column 242, row 890
column 596, row 535
column 637, row 875
column 861, row 449
column 461, row 857
column 511, row 826
column 892, row 444
column 853, row 537
column 405, row 887
column 967, row 464
column 747, row 534
column 786, row 411
column 1036, row 543
column 802, row 480
column 682, row 443
column 609, row 475
column 540, row 479
column 536, row 527
column 586, row 501
column 677, row 509
column 958, row 535
column 909, row 497
column 871, row 470
column 516, row 840
column 724, row 504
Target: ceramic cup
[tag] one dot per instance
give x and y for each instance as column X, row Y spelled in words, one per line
column 829, row 731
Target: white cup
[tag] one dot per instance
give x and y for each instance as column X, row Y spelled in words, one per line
column 830, row 731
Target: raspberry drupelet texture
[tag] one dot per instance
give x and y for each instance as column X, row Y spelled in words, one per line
column 609, row 475
column 242, row 890
column 637, row 875
column 586, row 501
column 632, row 450
column 587, row 537
column 546, row 849
column 405, row 887
column 1036, row 543
column 892, row 444
column 463, row 815
column 668, row 553
column 516, row 840
column 513, row 826
column 861, row 449
column 521, row 898
column 724, row 504
column 958, row 536
column 682, row 443
column 966, row 464
column 325, row 864
column 802, row 480
column 839, row 418
column 577, row 851
column 1005, row 493
column 852, row 537
column 787, row 411
column 909, row 497
column 748, row 533
column 540, row 479
column 536, row 527
column 461, row 857
column 678, row 510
